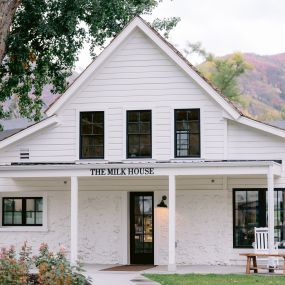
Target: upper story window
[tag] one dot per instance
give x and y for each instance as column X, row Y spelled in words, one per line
column 26, row 211
column 187, row 133
column 91, row 135
column 139, row 134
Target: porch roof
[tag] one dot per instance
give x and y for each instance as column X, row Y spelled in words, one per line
column 150, row 168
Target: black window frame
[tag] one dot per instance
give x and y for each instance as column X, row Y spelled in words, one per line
column 127, row 135
column 81, row 136
column 175, row 133
column 24, row 212
column 262, row 208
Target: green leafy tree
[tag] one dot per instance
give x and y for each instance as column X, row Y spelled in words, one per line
column 222, row 72
column 40, row 41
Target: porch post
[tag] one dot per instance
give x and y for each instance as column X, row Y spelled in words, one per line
column 171, row 224
column 74, row 220
column 270, row 199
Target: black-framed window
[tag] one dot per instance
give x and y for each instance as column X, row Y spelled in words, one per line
column 92, row 135
column 139, row 141
column 22, row 211
column 187, row 133
column 250, row 210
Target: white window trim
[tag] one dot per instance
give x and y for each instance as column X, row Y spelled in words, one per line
column 202, row 132
column 77, row 130
column 43, row 228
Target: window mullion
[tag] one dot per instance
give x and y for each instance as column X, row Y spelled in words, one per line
column 24, row 211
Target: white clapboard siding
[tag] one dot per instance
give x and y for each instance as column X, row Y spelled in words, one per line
column 248, row 143
column 138, row 75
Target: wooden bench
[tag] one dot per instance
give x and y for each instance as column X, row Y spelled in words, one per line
column 251, row 263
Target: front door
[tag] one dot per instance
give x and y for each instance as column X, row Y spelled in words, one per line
column 141, row 228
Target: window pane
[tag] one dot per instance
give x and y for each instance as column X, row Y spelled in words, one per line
column 18, row 204
column 240, row 199
column 193, row 115
column 194, row 127
column 17, row 218
column 145, row 140
column 133, row 151
column 98, row 117
column 30, row 204
column 98, row 129
column 133, row 116
column 134, row 139
column 39, row 218
column 145, row 116
column 30, row 218
column 39, row 204
column 194, row 145
column 86, row 129
column 133, row 128
column 8, row 204
column 145, row 150
column 8, row 217
column 145, row 128
column 181, row 115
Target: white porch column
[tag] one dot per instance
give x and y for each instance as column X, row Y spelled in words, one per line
column 270, row 199
column 171, row 223
column 74, row 220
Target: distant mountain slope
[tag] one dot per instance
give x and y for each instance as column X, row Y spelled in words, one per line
column 264, row 85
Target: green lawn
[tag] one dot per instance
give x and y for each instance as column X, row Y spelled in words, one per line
column 215, row 279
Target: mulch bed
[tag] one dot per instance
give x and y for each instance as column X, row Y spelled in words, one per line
column 134, row 267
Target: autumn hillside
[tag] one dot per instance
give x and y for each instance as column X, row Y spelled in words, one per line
column 263, row 87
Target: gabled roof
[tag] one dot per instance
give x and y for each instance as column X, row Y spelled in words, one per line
column 170, row 50
column 231, row 111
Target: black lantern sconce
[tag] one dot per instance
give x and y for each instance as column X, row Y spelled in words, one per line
column 162, row 204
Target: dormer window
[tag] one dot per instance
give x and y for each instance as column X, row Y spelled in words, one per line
column 187, row 133
column 92, row 135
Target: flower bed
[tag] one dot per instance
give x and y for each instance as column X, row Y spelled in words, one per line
column 53, row 268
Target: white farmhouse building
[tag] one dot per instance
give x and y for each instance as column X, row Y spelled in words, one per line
column 140, row 123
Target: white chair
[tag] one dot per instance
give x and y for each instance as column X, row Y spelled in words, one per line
column 260, row 245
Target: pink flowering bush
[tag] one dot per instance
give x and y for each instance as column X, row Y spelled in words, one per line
column 56, row 269
column 53, row 268
column 14, row 270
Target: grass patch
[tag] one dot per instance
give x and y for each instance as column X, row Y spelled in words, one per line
column 215, row 279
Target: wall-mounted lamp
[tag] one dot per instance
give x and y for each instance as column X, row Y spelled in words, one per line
column 162, row 204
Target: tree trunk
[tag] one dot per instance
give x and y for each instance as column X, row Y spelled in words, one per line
column 7, row 12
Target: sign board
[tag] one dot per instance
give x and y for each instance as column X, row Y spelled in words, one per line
column 134, row 171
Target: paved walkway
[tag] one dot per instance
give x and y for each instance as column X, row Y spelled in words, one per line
column 135, row 278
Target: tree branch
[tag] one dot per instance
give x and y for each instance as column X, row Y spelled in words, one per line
column 7, row 11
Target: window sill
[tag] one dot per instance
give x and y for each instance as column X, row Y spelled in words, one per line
column 187, row 159
column 88, row 161
column 23, row 229
column 139, row 160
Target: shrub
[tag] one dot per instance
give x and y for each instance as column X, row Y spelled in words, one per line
column 15, row 270
column 56, row 269
column 53, row 268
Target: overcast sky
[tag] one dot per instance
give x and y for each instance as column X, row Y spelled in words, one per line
column 224, row 26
